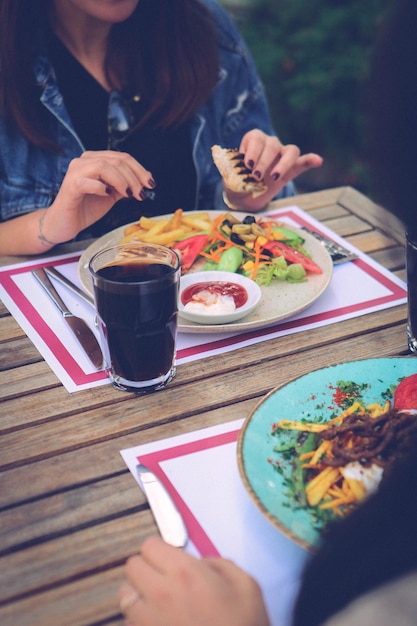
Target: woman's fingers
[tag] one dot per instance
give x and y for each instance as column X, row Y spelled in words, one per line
column 271, row 161
column 93, row 183
column 291, row 169
column 168, row 586
column 159, row 556
column 117, row 172
column 260, row 151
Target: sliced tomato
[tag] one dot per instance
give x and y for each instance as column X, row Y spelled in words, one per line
column 278, row 248
column 405, row 395
column 190, row 248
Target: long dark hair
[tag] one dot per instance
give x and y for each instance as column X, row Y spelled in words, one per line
column 167, row 51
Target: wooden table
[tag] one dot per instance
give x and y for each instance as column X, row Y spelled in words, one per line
column 71, row 513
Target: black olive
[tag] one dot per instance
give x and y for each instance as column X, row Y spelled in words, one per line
column 236, row 239
column 267, row 252
column 249, row 219
column 227, row 223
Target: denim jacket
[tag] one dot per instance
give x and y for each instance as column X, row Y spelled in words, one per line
column 30, row 177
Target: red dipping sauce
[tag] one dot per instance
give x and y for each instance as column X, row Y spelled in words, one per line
column 235, row 291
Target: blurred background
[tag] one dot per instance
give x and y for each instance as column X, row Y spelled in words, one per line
column 314, row 59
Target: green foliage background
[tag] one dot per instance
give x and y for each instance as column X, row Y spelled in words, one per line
column 314, row 58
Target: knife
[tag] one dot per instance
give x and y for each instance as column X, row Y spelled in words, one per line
column 169, row 521
column 52, row 271
column 79, row 327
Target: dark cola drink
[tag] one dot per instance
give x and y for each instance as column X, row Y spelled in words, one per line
column 136, row 302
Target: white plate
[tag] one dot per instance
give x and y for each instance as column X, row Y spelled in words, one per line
column 279, row 301
column 252, row 289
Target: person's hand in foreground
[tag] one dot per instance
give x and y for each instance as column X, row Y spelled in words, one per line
column 274, row 163
column 168, row 587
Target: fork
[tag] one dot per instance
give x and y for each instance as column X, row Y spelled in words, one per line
column 338, row 253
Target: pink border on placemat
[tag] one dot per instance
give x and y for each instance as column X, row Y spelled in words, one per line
column 396, row 292
column 153, row 462
column 62, row 354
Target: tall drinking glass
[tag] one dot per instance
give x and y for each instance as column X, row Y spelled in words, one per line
column 136, row 297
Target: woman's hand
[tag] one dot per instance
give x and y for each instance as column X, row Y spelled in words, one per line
column 269, row 160
column 168, row 587
column 91, row 186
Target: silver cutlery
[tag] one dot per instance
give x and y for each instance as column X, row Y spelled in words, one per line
column 52, row 271
column 338, row 253
column 168, row 519
column 78, row 326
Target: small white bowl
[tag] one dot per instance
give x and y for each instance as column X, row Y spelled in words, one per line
column 252, row 289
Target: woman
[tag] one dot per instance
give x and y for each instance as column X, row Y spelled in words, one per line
column 109, row 109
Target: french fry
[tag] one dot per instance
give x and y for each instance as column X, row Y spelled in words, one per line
column 175, row 221
column 304, row 427
column 157, row 228
column 167, row 231
column 167, row 238
column 318, row 486
column 328, row 486
column 321, row 451
column 196, row 223
column 136, row 235
column 356, row 488
column 132, row 228
column 147, row 222
column 199, row 215
column 337, row 502
column 376, row 409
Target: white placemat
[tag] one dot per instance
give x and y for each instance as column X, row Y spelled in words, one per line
column 200, row 471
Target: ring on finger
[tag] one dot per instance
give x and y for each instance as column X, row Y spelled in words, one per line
column 128, row 600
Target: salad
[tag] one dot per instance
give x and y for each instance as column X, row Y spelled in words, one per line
column 258, row 248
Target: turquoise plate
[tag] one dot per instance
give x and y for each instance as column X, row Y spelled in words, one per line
column 309, row 397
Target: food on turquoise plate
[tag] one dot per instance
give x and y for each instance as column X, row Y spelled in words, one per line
column 316, row 397
column 336, row 462
column 405, row 396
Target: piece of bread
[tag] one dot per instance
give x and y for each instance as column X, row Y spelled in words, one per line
column 237, row 177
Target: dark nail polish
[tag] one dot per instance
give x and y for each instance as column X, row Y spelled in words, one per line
column 109, row 190
column 151, row 183
column 257, row 174
column 129, row 192
column 142, row 194
column 251, row 164
column 275, row 176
